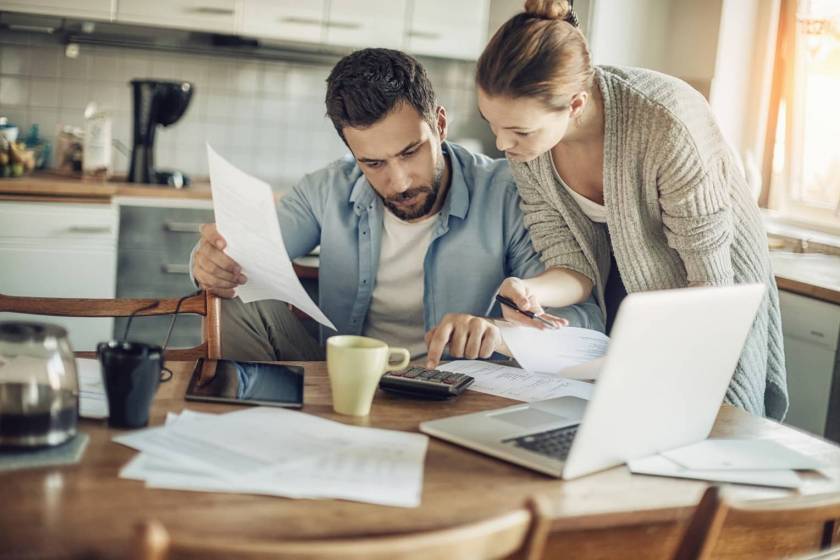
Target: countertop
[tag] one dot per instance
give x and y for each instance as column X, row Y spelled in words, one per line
column 48, row 186
column 809, row 274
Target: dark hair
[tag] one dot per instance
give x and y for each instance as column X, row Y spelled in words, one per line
column 539, row 53
column 366, row 85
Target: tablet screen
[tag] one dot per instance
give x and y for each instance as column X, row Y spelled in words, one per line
column 246, row 383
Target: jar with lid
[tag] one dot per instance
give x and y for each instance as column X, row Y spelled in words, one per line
column 39, row 388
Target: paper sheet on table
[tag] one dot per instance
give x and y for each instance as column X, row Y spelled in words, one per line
column 516, row 383
column 93, row 402
column 557, row 350
column 246, row 217
column 740, row 454
column 659, row 465
column 369, row 465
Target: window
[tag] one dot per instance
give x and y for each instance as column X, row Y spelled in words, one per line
column 805, row 175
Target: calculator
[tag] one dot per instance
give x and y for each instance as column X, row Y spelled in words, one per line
column 425, row 383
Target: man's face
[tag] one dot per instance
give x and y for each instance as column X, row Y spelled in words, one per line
column 402, row 159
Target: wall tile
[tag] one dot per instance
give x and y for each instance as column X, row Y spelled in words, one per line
column 43, row 93
column 14, row 60
column 74, row 94
column 75, row 68
column 44, row 62
column 14, row 91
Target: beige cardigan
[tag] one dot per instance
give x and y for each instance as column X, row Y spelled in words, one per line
column 678, row 214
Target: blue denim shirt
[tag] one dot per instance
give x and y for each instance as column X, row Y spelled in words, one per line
column 480, row 239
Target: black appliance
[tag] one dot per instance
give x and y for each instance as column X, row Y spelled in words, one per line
column 155, row 102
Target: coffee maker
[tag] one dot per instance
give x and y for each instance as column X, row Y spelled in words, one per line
column 155, row 102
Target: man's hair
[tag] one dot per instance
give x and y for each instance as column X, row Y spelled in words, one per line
column 366, row 85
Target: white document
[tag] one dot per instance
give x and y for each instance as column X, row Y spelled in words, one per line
column 740, row 454
column 516, row 383
column 555, row 350
column 659, row 465
column 93, row 402
column 247, row 219
column 197, row 452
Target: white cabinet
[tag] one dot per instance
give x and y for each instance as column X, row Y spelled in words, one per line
column 85, row 9
column 287, row 20
column 203, row 15
column 448, row 29
column 60, row 250
column 366, row 23
column 811, row 330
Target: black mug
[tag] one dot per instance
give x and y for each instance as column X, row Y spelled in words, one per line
column 131, row 373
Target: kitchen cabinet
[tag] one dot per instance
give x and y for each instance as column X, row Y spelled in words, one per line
column 448, row 29
column 84, row 9
column 155, row 242
column 811, row 331
column 60, row 250
column 202, row 15
column 366, row 23
column 288, row 20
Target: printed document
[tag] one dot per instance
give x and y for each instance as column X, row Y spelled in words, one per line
column 518, row 384
column 93, row 402
column 247, row 219
column 557, row 350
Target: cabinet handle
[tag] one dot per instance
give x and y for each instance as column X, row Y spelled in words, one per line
column 182, row 227
column 423, row 34
column 344, row 24
column 818, row 334
column 175, row 268
column 301, row 20
column 211, row 11
column 89, row 229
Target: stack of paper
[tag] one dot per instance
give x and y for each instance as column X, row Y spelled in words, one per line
column 571, row 352
column 92, row 400
column 516, row 383
column 742, row 461
column 279, row 452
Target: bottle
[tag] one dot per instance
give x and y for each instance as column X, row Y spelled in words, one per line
column 96, row 151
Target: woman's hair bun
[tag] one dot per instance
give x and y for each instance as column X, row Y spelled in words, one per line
column 552, row 9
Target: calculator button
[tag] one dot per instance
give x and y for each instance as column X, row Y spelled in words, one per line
column 439, row 375
column 451, row 379
column 412, row 372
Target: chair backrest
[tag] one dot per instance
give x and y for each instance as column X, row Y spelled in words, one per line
column 766, row 523
column 204, row 303
column 517, row 534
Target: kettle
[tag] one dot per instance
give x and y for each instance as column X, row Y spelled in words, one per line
column 39, row 388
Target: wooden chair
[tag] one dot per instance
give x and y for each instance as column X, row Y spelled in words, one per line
column 517, row 534
column 204, row 304
column 771, row 528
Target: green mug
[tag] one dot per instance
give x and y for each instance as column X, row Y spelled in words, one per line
column 355, row 365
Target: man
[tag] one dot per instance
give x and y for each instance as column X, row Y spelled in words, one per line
column 416, row 233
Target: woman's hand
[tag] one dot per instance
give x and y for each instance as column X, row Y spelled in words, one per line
column 518, row 291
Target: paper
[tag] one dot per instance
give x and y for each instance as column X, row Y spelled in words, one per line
column 516, row 383
column 279, row 452
column 93, row 402
column 555, row 350
column 659, row 465
column 246, row 218
column 740, row 454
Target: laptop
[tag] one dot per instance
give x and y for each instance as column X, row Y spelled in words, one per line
column 671, row 356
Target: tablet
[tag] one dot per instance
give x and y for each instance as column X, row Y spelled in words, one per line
column 263, row 383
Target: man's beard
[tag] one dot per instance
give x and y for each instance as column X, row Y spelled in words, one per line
column 424, row 205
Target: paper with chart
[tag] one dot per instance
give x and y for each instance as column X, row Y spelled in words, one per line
column 247, row 219
column 556, row 350
column 277, row 452
column 516, row 383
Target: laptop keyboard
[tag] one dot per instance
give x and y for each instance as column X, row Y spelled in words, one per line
column 552, row 443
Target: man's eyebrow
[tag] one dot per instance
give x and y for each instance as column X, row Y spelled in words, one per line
column 408, row 148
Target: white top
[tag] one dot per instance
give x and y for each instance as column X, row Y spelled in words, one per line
column 396, row 307
column 594, row 211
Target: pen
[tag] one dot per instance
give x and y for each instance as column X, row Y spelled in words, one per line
column 530, row 314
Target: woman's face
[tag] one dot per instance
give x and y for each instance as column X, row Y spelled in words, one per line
column 524, row 126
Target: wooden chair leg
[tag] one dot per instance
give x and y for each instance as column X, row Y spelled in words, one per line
column 703, row 530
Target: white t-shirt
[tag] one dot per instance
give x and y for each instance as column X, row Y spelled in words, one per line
column 396, row 307
column 594, row 211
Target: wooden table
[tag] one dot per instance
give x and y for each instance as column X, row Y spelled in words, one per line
column 86, row 511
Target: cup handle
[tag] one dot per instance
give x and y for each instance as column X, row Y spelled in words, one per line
column 406, row 357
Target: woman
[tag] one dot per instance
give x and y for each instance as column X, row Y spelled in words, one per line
column 627, row 185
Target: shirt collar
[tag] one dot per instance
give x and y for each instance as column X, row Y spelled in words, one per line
column 457, row 200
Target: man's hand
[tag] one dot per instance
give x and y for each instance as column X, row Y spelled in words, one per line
column 467, row 336
column 212, row 268
column 518, row 291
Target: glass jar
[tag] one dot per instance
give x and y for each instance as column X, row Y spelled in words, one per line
column 39, row 388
